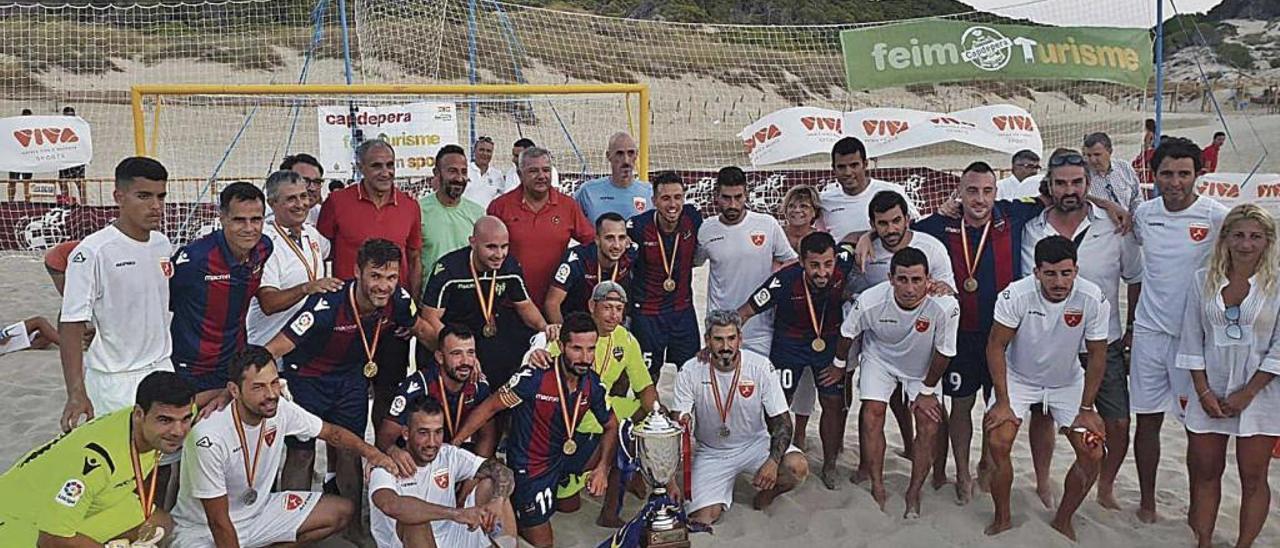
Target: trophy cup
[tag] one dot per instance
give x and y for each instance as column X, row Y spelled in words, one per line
column 658, row 447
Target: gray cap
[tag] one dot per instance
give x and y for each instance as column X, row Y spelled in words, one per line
column 605, row 291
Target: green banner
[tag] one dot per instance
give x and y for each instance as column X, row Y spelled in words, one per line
column 949, row 51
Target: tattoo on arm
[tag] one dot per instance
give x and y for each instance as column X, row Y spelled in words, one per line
column 780, row 431
column 504, row 482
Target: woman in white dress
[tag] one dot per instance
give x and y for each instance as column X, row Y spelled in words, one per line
column 1231, row 345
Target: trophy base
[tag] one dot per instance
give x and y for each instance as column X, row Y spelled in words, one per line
column 677, row 537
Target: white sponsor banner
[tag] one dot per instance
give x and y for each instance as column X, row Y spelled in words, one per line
column 1231, row 189
column 416, row 131
column 30, row 144
column 800, row 131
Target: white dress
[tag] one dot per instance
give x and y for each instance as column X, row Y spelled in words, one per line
column 1229, row 363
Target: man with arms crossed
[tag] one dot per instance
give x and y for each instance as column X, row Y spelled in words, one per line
column 1041, row 322
column 84, row 488
column 606, row 259
column 742, row 423
column 232, row 458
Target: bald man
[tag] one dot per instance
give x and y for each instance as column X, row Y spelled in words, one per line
column 482, row 287
column 623, row 191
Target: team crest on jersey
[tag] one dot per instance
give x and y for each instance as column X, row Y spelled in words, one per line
column 70, row 493
column 618, row 353
column 166, row 267
column 922, row 324
column 441, row 478
column 746, row 388
column 302, row 323
column 270, row 437
column 757, row 238
column 1072, row 316
column 639, row 203
column 315, row 247
column 562, row 273
column 1198, row 231
column 293, row 501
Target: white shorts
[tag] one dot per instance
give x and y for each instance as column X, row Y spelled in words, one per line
column 876, row 382
column 806, row 393
column 114, row 391
column 714, row 471
column 1062, row 403
column 277, row 521
column 1156, row 385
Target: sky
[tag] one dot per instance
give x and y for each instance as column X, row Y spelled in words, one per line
column 1123, row 13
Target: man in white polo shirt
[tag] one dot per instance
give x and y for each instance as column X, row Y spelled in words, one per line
column 118, row 281
column 296, row 268
column 844, row 205
column 1024, row 179
column 906, row 337
column 744, row 248
column 484, row 180
column 1040, row 324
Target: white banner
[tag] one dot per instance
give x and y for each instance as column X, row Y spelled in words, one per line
column 415, row 130
column 1262, row 189
column 30, row 144
column 800, row 131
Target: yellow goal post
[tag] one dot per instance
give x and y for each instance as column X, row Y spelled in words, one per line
column 153, row 96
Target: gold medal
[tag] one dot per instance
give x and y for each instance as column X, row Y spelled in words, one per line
column 818, row 345
column 370, row 367
column 669, row 285
column 371, row 370
column 486, row 305
column 971, row 263
column 489, row 330
column 570, row 447
column 971, row 285
column 668, row 265
column 570, row 423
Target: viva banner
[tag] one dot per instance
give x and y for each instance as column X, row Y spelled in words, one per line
column 934, row 51
column 415, row 130
column 796, row 132
column 32, row 144
column 1262, row 189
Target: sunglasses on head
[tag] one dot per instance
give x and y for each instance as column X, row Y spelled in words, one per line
column 483, row 139
column 1028, row 166
column 1073, row 159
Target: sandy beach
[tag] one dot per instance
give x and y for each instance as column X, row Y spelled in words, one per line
column 31, row 397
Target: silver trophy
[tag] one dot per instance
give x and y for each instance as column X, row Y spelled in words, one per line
column 658, row 447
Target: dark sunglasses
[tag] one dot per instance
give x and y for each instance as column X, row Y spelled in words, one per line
column 1073, row 159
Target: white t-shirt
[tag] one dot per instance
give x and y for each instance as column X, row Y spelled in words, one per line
column 434, row 483
column 759, row 395
column 213, row 465
column 877, row 269
column 482, row 189
column 1010, row 188
column 284, row 270
column 844, row 214
column 1174, row 246
column 121, row 286
column 1050, row 336
column 902, row 341
column 742, row 257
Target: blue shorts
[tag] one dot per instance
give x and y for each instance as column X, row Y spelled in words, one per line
column 341, row 399
column 534, row 498
column 968, row 371
column 789, row 375
column 667, row 338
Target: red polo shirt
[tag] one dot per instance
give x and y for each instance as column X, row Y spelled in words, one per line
column 539, row 239
column 348, row 218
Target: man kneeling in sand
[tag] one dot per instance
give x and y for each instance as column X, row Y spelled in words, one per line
column 1040, row 324
column 743, row 424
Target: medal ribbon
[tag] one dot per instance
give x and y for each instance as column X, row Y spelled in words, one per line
column 249, row 471
column 377, row 329
column 662, row 249
column 444, row 402
column 723, row 408
column 971, row 262
column 486, row 307
column 569, row 424
column 813, row 316
column 614, row 277
column 147, row 497
column 608, row 352
column 312, row 266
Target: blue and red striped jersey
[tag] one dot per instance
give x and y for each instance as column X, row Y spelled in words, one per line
column 793, row 331
column 577, row 275
column 325, row 336
column 209, row 296
column 426, row 382
column 1001, row 261
column 535, row 440
column 647, row 294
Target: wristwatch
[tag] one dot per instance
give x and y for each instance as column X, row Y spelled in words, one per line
column 926, row 390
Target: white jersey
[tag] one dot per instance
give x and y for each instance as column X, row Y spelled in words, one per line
column 484, row 188
column 844, row 214
column 759, row 395
column 1175, row 244
column 1105, row 257
column 121, row 287
column 213, row 462
column 877, row 269
column 1050, row 336
column 1010, row 188
column 902, row 341
column 435, row 483
column 283, row 270
column 742, row 258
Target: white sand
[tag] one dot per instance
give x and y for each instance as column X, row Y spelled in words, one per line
column 32, row 397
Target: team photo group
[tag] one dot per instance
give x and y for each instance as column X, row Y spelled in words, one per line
column 472, row 371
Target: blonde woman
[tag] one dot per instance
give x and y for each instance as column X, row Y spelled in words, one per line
column 1231, row 345
column 801, row 211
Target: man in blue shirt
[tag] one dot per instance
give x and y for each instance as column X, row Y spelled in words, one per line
column 622, row 192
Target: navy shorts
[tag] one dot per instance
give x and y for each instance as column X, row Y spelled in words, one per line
column 534, row 498
column 968, row 371
column 667, row 338
column 341, row 399
column 789, row 376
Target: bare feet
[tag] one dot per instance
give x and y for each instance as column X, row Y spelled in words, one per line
column 1065, row 528
column 998, row 526
column 913, row 505
column 1107, row 500
column 828, row 476
column 964, row 491
column 880, row 496
column 859, row 476
column 611, row 522
column 939, row 479
column 1046, row 496
column 1147, row 515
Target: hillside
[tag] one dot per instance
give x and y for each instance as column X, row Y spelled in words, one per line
column 1244, row 9
column 760, row 12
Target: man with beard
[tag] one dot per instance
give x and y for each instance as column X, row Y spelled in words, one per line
column 546, row 407
column 447, row 214
column 84, row 488
column 1026, row 369
column 328, row 355
column 622, row 191
column 607, row 259
column 312, row 173
column 744, row 248
column 740, row 422
column 808, row 297
column 844, row 204
column 214, row 279
column 484, row 180
column 454, row 380
column 1105, row 258
column 903, row 337
column 232, row 459
column 420, row 511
